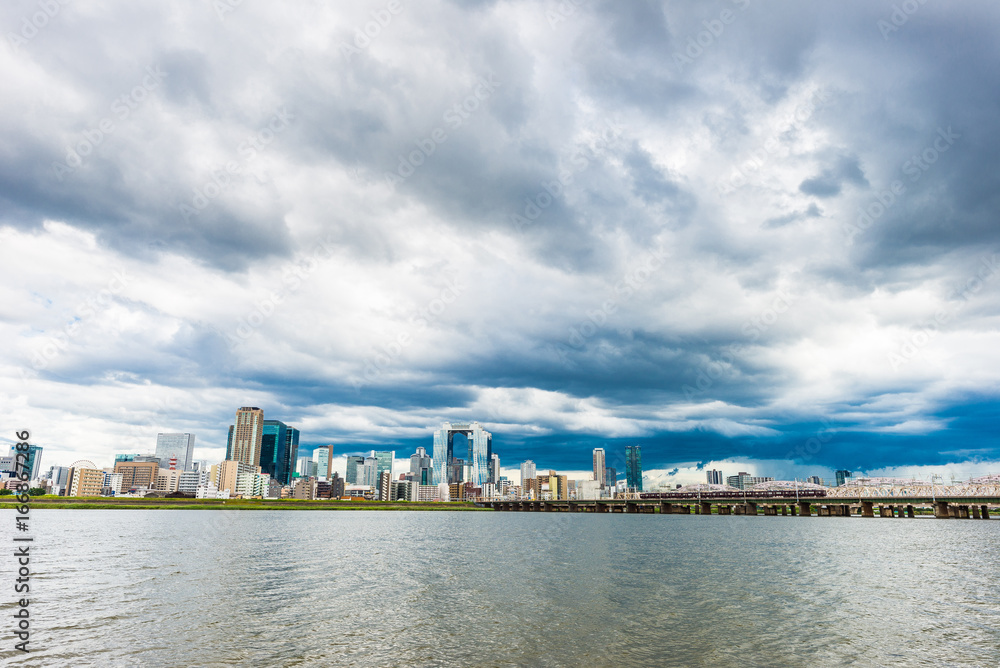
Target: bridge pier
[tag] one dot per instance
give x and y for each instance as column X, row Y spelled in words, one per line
column 805, row 509
column 666, row 508
column 941, row 510
column 751, row 508
column 985, row 511
column 725, row 510
column 975, row 512
column 867, row 509
column 631, row 507
column 909, row 511
column 706, row 508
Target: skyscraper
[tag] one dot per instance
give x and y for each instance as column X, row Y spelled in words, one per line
column 611, row 478
column 34, row 463
column 279, row 449
column 323, row 456
column 494, row 468
column 354, row 464
column 307, row 467
column 384, row 458
column 633, row 467
column 599, row 468
column 842, row 477
column 527, row 470
column 421, row 467
column 368, row 473
column 714, row 477
column 247, row 432
column 179, row 446
column 480, row 452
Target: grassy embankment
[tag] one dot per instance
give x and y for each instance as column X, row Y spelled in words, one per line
column 105, row 503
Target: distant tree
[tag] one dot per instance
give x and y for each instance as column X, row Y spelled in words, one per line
column 5, row 492
column 36, row 491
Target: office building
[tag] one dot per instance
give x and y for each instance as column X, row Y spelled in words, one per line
column 247, row 433
column 307, row 467
column 178, row 446
column 354, row 464
column 279, row 450
column 494, row 468
column 190, row 480
column 304, row 488
column 225, row 475
column 633, row 468
column 112, row 484
column 384, row 458
column 480, row 452
column 527, row 470
column 138, row 475
column 842, row 477
column 33, row 465
column 368, row 473
column 421, row 466
column 744, row 480
column 167, row 480
column 323, row 456
column 599, row 467
column 610, row 478
column 714, row 477
column 815, row 480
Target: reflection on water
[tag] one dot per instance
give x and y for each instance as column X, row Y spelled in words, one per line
column 272, row 588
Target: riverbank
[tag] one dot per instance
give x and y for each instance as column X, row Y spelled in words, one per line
column 112, row 503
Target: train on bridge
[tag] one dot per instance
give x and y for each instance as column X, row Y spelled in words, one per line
column 735, row 495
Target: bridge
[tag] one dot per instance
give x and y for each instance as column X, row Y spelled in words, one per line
column 889, row 497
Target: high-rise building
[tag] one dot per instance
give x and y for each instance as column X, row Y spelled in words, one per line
column 307, row 468
column 138, row 475
column 323, row 456
column 744, row 480
column 599, row 467
column 633, row 467
column 279, row 450
column 34, row 464
column 714, row 477
column 494, row 468
column 842, row 477
column 368, row 474
column 480, row 452
column 815, row 480
column 245, row 444
column 336, row 486
column 385, row 486
column 228, row 474
column 85, row 482
column 527, row 470
column 354, row 464
column 179, row 446
column 421, row 466
column 610, row 478
column 384, row 458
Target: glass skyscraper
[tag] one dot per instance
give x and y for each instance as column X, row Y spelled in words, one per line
column 279, row 450
column 177, row 446
column 354, row 462
column 384, row 458
column 480, row 452
column 633, row 467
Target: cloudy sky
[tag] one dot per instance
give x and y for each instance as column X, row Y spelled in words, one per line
column 740, row 234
